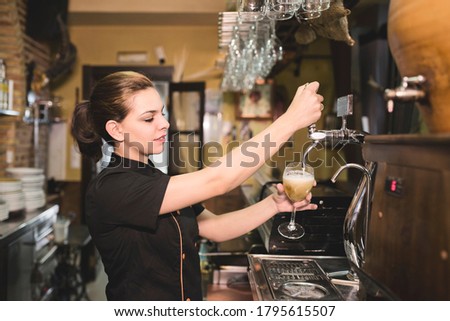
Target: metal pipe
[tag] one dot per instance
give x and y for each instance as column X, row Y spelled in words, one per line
column 36, row 115
column 350, row 225
column 307, row 151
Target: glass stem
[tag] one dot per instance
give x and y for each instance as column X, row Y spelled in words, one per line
column 291, row 225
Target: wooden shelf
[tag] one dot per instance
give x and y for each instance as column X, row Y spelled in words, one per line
column 7, row 112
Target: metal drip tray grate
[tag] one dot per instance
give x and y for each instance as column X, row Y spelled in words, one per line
column 301, row 279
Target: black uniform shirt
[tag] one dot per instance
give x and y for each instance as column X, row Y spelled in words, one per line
column 146, row 256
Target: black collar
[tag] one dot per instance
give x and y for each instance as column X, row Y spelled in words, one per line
column 122, row 162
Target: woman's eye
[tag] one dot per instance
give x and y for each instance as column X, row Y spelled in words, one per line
column 149, row 120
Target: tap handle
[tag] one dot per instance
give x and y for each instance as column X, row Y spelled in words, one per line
column 414, row 80
column 314, row 134
column 345, row 106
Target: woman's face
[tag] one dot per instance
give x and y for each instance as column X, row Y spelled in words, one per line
column 145, row 127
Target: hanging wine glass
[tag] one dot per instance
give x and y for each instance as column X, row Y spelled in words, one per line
column 302, row 14
column 280, row 11
column 251, row 10
column 293, row 2
column 315, row 5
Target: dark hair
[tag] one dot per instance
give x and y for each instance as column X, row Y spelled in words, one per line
column 108, row 101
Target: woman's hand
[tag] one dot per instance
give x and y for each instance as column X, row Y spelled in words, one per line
column 306, row 106
column 284, row 204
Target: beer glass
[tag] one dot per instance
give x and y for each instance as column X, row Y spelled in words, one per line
column 298, row 179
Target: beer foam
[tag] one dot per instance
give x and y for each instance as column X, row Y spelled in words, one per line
column 298, row 184
column 298, row 176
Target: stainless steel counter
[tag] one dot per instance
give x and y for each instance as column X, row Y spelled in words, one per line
column 324, row 226
column 12, row 228
column 27, row 255
column 294, row 277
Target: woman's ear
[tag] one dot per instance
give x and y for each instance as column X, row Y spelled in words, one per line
column 114, row 130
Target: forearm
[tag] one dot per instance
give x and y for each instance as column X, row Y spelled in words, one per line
column 229, row 171
column 244, row 160
column 235, row 167
column 219, row 228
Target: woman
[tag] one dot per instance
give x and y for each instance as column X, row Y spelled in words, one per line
column 145, row 224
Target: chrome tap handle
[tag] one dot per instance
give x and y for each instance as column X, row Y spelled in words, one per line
column 342, row 135
column 312, row 129
column 415, row 80
column 314, row 134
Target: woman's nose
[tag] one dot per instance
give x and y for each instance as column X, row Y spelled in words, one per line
column 164, row 123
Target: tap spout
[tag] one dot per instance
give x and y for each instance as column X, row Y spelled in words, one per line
column 351, row 165
column 308, row 150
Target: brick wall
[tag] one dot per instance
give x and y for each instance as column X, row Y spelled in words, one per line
column 17, row 49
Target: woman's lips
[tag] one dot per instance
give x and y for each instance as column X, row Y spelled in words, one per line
column 161, row 139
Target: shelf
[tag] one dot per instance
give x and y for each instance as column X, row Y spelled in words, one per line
column 7, row 112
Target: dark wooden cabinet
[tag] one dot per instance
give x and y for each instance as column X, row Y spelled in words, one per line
column 409, row 229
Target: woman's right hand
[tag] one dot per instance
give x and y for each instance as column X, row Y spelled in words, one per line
column 306, row 106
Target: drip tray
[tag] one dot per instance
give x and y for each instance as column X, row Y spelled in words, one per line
column 298, row 279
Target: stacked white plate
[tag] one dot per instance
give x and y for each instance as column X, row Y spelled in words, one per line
column 4, row 211
column 11, row 194
column 20, row 172
column 33, row 180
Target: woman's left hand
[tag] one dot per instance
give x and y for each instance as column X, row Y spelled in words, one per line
column 284, row 204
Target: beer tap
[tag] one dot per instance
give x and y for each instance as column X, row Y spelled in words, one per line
column 339, row 136
column 409, row 90
column 336, row 136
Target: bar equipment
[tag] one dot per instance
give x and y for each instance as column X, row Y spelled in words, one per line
column 405, row 252
column 354, row 238
column 350, row 229
column 256, row 10
column 324, row 226
column 343, row 135
column 248, row 37
column 411, row 89
column 422, row 49
column 291, row 278
column 407, row 249
column 355, row 233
